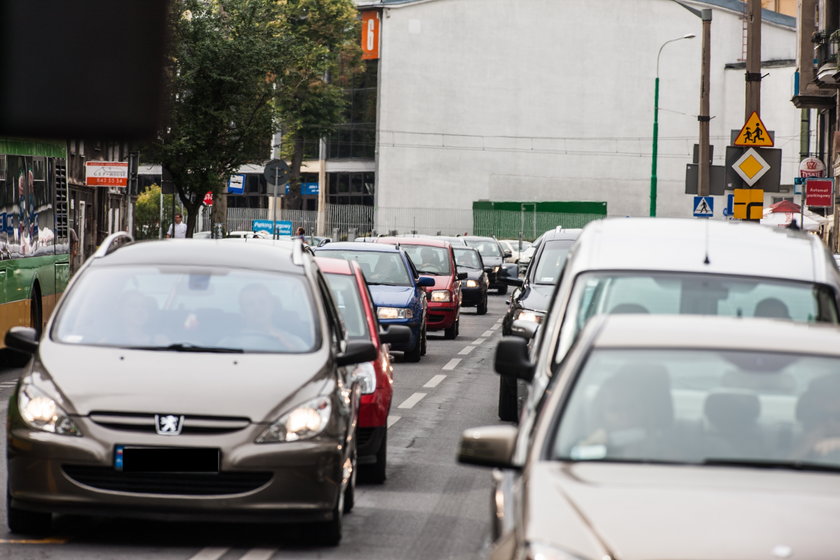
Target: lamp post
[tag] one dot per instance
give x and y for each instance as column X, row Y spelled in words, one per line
column 656, row 124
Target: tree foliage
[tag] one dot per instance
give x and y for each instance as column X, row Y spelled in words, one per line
column 147, row 213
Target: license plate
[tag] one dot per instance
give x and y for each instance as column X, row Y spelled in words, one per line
column 166, row 459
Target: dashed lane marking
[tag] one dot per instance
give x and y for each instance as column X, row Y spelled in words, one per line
column 452, row 364
column 495, row 327
column 259, row 554
column 434, row 381
column 210, row 553
column 479, row 341
column 412, row 400
column 488, row 334
column 466, row 350
column 393, row 420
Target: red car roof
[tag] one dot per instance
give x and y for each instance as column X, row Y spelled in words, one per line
column 334, row 266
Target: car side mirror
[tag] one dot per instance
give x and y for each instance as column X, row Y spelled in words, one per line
column 488, row 446
column 426, row 281
column 395, row 334
column 356, row 352
column 463, row 276
column 524, row 328
column 512, row 359
column 508, row 254
column 22, row 339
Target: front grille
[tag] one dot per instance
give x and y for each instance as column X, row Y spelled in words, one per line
column 145, row 422
column 191, row 484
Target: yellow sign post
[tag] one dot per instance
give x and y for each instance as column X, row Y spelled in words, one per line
column 754, row 133
column 748, row 204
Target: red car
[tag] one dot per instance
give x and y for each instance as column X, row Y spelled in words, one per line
column 434, row 258
column 351, row 296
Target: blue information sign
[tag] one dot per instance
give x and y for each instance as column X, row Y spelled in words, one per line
column 236, row 184
column 282, row 227
column 704, row 206
column 306, row 188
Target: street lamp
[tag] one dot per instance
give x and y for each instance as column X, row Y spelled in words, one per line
column 656, row 124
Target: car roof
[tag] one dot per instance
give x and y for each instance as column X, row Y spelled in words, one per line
column 714, row 332
column 454, row 241
column 561, row 234
column 335, row 266
column 265, row 255
column 357, row 246
column 427, row 241
column 701, row 246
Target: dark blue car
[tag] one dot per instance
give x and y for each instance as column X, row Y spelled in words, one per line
column 395, row 285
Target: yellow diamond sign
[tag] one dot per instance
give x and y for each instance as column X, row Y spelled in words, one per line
column 751, row 167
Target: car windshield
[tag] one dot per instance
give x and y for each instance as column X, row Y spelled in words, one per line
column 468, row 258
column 182, row 308
column 379, row 267
column 551, row 261
column 487, row 248
column 429, row 260
column 692, row 294
column 708, row 406
column 345, row 293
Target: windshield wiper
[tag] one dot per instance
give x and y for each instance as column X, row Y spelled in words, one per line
column 187, row 347
column 771, row 464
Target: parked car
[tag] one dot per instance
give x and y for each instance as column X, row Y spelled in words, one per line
column 668, row 266
column 434, row 258
column 396, row 287
column 261, row 234
column 728, row 422
column 215, row 383
column 530, row 301
column 474, row 288
column 493, row 256
column 352, row 297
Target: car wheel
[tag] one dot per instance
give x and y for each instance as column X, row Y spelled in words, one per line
column 414, row 354
column 26, row 522
column 423, row 341
column 329, row 532
column 350, row 491
column 502, row 290
column 508, row 405
column 481, row 309
column 452, row 332
column 378, row 469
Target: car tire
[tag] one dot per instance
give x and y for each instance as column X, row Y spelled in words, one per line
column 378, row 471
column 481, row 308
column 26, row 522
column 502, row 290
column 452, row 332
column 329, row 532
column 414, row 354
column 508, row 397
column 350, row 491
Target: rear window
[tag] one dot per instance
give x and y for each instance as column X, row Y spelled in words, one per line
column 187, row 307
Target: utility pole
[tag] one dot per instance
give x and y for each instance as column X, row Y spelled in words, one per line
column 753, row 73
column 704, row 165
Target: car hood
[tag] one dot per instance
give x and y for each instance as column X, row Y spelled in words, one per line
column 441, row 282
column 391, row 296
column 245, row 385
column 683, row 513
column 536, row 297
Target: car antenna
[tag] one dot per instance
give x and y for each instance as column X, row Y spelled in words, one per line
column 706, row 260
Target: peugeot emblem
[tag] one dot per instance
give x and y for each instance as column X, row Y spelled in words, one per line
column 168, row 424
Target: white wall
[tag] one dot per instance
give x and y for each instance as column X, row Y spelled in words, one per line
column 553, row 100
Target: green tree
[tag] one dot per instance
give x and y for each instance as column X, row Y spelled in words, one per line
column 147, row 213
column 321, row 49
column 220, row 76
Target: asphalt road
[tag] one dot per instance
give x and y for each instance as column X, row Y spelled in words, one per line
column 430, row 507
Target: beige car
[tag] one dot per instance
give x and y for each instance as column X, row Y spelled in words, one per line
column 675, row 437
column 188, row 379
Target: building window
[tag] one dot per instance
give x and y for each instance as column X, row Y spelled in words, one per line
column 351, row 188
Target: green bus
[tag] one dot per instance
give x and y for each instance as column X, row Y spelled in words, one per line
column 34, row 234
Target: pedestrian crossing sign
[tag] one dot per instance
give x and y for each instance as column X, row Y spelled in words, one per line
column 754, row 133
column 704, row 206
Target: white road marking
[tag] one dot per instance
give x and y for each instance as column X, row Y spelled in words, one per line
column 412, row 400
column 479, row 341
column 393, row 420
column 434, row 381
column 210, row 553
column 488, row 334
column 495, row 327
column 466, row 350
column 259, row 554
column 452, row 364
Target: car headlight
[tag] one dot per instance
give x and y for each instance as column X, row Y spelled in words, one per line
column 528, row 315
column 539, row 551
column 366, row 374
column 472, row 284
column 394, row 313
column 305, row 421
column 42, row 412
column 441, row 296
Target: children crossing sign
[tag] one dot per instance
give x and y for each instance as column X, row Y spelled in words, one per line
column 704, row 206
column 754, row 133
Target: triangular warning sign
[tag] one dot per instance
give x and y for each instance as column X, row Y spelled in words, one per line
column 754, row 133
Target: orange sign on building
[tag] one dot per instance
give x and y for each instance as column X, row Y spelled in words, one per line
column 370, row 35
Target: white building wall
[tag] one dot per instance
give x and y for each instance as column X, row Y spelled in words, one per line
column 553, row 100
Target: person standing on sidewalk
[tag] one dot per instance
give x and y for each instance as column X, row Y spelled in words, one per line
column 179, row 226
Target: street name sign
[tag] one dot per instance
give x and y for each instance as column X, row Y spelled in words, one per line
column 819, row 192
column 754, row 133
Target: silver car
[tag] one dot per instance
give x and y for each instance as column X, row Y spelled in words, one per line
column 188, row 379
column 675, row 437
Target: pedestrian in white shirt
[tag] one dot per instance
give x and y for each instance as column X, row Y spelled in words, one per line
column 180, row 228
